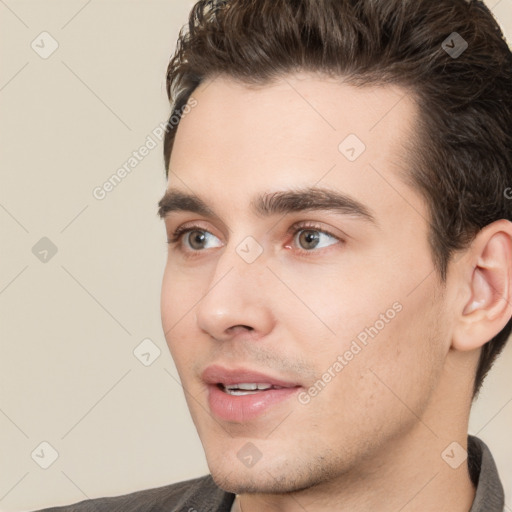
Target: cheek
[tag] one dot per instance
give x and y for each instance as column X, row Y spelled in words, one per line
column 330, row 306
column 400, row 362
column 375, row 329
column 181, row 289
column 178, row 296
column 379, row 383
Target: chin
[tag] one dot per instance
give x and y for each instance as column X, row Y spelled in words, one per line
column 272, row 477
column 256, row 481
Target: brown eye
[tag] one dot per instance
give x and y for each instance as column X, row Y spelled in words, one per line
column 196, row 239
column 309, row 239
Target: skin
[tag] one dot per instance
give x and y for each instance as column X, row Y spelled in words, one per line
column 372, row 439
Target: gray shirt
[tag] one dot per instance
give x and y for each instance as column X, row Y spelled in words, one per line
column 203, row 495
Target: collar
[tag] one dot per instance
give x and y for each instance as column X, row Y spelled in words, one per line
column 489, row 496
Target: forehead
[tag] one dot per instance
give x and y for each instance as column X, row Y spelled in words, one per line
column 305, row 103
column 302, row 130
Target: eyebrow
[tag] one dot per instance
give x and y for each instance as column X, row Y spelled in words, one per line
column 273, row 203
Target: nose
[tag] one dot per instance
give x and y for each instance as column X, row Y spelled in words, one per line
column 238, row 301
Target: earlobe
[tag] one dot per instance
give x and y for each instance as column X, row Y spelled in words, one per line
column 489, row 306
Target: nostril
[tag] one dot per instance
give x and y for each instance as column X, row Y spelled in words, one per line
column 238, row 327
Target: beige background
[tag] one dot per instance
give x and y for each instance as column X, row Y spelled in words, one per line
column 69, row 326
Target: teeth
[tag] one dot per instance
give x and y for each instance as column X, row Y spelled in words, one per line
column 247, row 388
column 240, row 392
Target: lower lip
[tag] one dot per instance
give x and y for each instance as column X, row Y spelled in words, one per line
column 244, row 408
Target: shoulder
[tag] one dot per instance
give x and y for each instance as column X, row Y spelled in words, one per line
column 196, row 495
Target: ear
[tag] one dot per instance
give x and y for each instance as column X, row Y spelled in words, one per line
column 486, row 280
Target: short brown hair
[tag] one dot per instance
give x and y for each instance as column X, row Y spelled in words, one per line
column 461, row 153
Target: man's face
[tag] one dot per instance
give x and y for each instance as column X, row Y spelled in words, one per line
column 336, row 304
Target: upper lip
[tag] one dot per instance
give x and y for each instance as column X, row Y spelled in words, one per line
column 216, row 374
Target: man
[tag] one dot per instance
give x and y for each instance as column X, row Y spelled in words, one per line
column 339, row 275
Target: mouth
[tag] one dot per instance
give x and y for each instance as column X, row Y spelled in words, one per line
column 241, row 395
column 246, row 388
column 242, row 378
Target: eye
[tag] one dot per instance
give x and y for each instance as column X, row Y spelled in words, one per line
column 196, row 239
column 308, row 238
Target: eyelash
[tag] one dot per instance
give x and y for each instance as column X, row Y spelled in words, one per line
column 294, row 229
